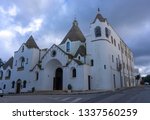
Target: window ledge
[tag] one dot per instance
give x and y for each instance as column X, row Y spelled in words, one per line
column 20, row 68
column 7, row 77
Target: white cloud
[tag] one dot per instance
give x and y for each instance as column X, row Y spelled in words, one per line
column 144, row 70
column 36, row 24
column 11, row 28
column 48, row 40
column 8, row 43
column 8, row 36
column 11, row 11
column 33, row 26
column 5, row 34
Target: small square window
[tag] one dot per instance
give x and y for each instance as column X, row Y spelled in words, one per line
column 114, row 42
column 111, row 39
column 104, row 66
column 118, row 46
column 27, row 61
column 112, row 58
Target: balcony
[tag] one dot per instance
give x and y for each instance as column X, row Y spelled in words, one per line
column 119, row 66
column 7, row 77
column 20, row 68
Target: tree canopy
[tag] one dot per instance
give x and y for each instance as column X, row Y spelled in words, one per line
column 146, row 78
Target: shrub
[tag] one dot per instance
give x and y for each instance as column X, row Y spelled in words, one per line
column 69, row 87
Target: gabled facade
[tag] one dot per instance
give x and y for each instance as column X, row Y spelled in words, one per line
column 6, row 75
column 98, row 61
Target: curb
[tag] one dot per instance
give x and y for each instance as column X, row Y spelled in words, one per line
column 70, row 93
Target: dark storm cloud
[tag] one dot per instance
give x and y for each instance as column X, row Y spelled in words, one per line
column 142, row 46
column 143, row 61
column 130, row 12
column 131, row 20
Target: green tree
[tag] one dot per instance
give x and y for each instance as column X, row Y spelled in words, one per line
column 146, row 79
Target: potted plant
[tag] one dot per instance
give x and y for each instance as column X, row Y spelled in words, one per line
column 69, row 88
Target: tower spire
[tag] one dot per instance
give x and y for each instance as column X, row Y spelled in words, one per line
column 98, row 10
column 99, row 17
column 75, row 22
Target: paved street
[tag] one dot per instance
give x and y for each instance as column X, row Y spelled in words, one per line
column 131, row 95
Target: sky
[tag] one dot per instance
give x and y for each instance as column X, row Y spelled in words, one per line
column 49, row 21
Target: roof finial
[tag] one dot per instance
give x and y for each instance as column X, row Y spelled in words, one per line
column 75, row 17
column 75, row 22
column 98, row 10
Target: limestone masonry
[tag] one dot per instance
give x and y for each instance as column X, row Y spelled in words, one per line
column 98, row 61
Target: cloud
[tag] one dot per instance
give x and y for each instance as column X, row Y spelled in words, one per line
column 11, row 11
column 32, row 27
column 50, row 20
column 144, row 70
column 12, row 30
column 48, row 39
column 8, row 44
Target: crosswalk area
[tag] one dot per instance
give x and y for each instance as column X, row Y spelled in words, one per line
column 68, row 99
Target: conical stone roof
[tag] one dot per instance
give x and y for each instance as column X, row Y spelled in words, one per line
column 99, row 17
column 31, row 43
column 74, row 34
column 9, row 63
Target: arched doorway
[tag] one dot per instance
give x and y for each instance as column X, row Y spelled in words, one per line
column 58, row 79
column 18, row 86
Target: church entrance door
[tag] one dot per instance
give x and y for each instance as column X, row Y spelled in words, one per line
column 18, row 86
column 58, row 79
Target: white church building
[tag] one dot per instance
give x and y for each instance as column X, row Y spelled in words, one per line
column 98, row 61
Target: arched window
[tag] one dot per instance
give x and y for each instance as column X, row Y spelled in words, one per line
column 68, row 47
column 118, row 46
column 27, row 61
column 13, row 84
column 104, row 66
column 24, row 83
column 92, row 62
column 107, row 32
column 73, row 72
column 114, row 42
column 37, row 75
column 111, row 39
column 79, row 57
column 22, row 61
column 97, row 31
column 112, row 58
column 22, row 49
column 4, row 87
column 8, row 74
column 1, row 75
